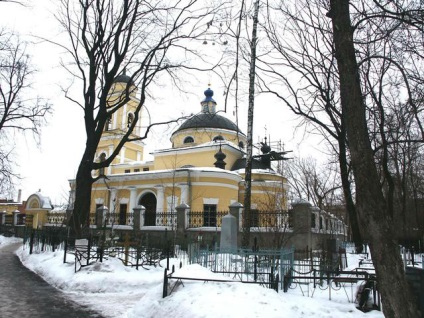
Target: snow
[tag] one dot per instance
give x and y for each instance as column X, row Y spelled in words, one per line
column 9, row 240
column 118, row 291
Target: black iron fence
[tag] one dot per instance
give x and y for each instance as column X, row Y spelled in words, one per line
column 205, row 218
column 166, row 219
column 45, row 239
column 273, row 219
column 56, row 218
column 254, row 266
column 258, row 218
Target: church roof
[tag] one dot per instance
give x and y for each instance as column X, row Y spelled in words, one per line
column 208, row 118
column 123, row 78
column 256, row 164
column 44, row 202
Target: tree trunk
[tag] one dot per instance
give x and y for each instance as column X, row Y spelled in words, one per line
column 347, row 191
column 80, row 218
column 371, row 206
column 249, row 146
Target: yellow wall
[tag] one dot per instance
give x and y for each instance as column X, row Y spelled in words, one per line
column 201, row 186
column 204, row 135
column 9, row 208
column 197, row 158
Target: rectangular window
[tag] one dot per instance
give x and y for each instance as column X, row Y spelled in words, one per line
column 127, row 170
column 136, row 170
column 123, row 214
column 145, row 169
column 291, row 221
column 254, row 218
column 209, row 215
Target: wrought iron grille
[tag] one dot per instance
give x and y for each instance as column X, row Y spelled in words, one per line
column 269, row 219
column 166, row 219
column 56, row 218
column 202, row 219
column 244, row 264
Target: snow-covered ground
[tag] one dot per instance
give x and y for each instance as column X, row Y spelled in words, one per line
column 118, row 291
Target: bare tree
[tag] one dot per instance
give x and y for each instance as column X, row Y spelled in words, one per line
column 19, row 110
column 301, row 71
column 389, row 39
column 316, row 184
column 7, row 176
column 13, row 1
column 374, row 216
column 147, row 38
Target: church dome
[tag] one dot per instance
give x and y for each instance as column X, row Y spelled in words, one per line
column 123, row 78
column 208, row 118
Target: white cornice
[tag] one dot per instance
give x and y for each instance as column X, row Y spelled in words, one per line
column 183, row 172
column 207, row 130
column 225, row 145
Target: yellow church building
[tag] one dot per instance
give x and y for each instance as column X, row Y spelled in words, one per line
column 203, row 168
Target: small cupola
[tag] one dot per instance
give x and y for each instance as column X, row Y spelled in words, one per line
column 208, row 104
column 266, row 158
column 220, row 156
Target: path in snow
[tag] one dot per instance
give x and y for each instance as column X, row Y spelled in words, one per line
column 24, row 294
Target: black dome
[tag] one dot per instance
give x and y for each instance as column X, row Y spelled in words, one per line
column 256, row 164
column 208, row 120
column 123, row 78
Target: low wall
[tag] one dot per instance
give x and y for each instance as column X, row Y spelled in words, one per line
column 415, row 277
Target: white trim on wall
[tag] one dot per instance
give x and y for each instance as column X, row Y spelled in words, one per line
column 210, row 201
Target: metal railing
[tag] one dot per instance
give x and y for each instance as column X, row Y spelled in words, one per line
column 269, row 219
column 205, row 219
column 166, row 219
column 56, row 218
column 246, row 265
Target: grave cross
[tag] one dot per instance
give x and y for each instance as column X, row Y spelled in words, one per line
column 126, row 244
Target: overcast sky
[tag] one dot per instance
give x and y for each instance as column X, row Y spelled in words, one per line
column 50, row 165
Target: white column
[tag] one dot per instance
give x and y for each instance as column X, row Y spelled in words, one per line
column 124, row 117
column 133, row 198
column 122, row 155
column 112, row 201
column 109, row 169
column 160, row 198
column 114, row 121
column 184, row 193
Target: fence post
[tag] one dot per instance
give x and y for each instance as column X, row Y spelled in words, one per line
column 138, row 220
column 31, row 241
column 66, row 250
column 182, row 217
column 15, row 217
column 165, row 284
column 286, row 283
column 69, row 212
column 277, row 278
column 236, row 210
column 302, row 222
column 2, row 218
column 101, row 216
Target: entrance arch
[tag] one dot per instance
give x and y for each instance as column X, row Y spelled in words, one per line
column 148, row 200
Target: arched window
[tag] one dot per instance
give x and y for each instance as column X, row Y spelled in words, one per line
column 130, row 119
column 108, row 125
column 313, row 221
column 321, row 223
column 102, row 158
column 188, row 140
column 217, row 138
